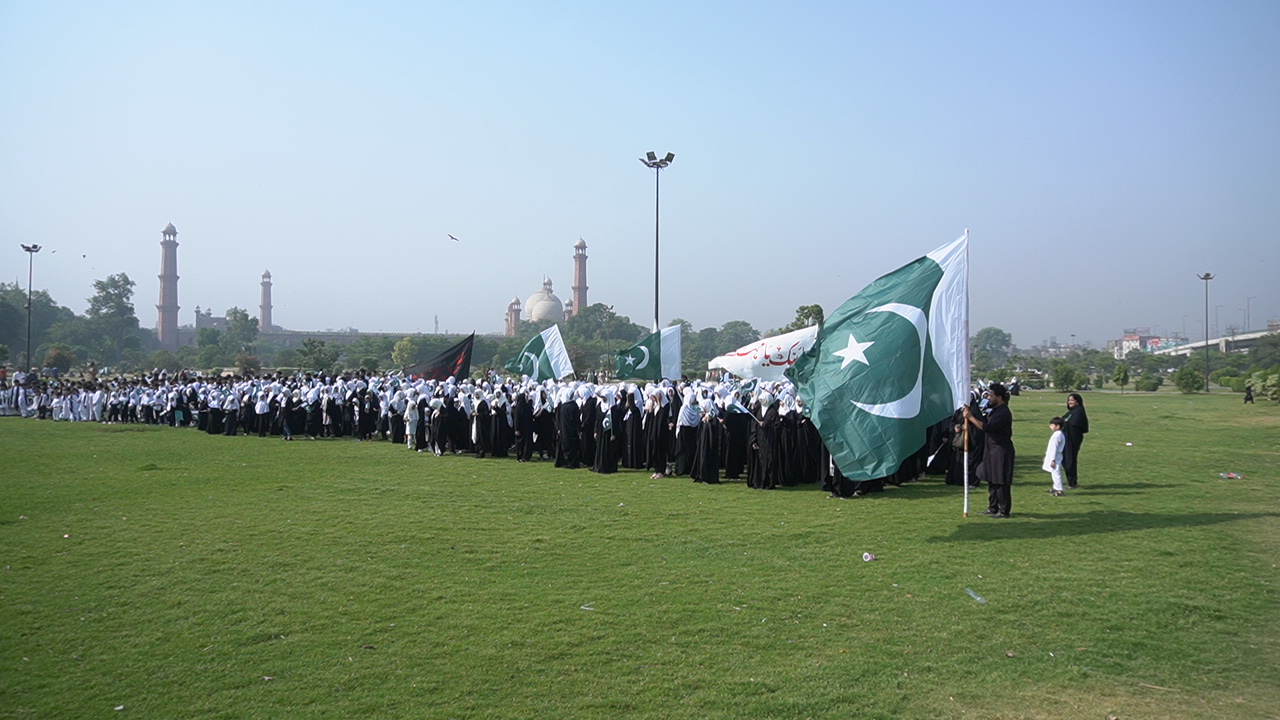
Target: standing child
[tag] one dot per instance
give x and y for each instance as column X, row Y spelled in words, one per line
column 1053, row 456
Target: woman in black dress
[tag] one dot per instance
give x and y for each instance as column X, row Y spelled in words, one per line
column 1075, row 425
column 998, row 454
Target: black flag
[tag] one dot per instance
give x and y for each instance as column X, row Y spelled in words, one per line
column 454, row 362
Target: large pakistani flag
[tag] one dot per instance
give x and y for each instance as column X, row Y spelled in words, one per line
column 544, row 357
column 890, row 362
column 653, row 358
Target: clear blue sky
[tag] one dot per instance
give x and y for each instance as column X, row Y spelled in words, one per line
column 1101, row 154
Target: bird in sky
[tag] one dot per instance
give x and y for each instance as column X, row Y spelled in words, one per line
column 451, row 237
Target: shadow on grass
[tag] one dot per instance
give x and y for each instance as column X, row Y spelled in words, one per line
column 1051, row 525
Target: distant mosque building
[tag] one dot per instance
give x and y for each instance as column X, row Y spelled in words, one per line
column 543, row 305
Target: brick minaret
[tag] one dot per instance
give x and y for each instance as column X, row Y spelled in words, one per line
column 513, row 317
column 264, row 305
column 579, row 276
column 167, row 323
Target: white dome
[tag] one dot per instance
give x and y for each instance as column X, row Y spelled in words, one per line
column 544, row 305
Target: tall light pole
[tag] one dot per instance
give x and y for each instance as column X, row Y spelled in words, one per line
column 31, row 261
column 652, row 162
column 1206, row 278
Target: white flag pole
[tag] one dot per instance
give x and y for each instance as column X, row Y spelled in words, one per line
column 967, row 364
column 966, row 467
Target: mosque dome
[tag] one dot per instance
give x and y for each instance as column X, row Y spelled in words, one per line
column 544, row 305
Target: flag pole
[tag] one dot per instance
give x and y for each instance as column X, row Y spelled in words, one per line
column 969, row 380
column 966, row 467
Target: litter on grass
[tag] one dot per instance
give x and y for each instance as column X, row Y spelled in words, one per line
column 1230, row 476
column 981, row 600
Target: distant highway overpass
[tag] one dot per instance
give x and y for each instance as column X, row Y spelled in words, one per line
column 1231, row 343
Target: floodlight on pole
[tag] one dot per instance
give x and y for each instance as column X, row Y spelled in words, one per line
column 652, row 162
column 1206, row 278
column 31, row 251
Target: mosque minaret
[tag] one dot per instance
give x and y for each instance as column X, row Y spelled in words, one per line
column 264, row 305
column 167, row 322
column 579, row 276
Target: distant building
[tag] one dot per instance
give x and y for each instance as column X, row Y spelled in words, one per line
column 544, row 305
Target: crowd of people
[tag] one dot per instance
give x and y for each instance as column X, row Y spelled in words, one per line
column 756, row 432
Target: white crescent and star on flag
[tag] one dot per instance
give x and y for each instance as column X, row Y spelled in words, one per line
column 907, row 406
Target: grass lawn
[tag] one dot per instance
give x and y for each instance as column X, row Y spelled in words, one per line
column 182, row 575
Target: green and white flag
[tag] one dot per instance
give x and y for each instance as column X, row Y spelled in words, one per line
column 544, row 357
column 653, row 358
column 890, row 362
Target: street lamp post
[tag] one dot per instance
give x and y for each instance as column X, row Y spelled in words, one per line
column 31, row 261
column 652, row 161
column 1206, row 278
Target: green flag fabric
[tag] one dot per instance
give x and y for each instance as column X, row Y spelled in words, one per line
column 544, row 357
column 655, row 357
column 890, row 362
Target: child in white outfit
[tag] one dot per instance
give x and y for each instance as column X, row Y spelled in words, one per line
column 1053, row 456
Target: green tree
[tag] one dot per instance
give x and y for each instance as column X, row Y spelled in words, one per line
column 994, row 341
column 241, row 333
column 248, row 365
column 600, row 322
column 982, row 363
column 1121, row 376
column 405, row 353
column 288, row 357
column 164, row 360
column 317, row 354
column 208, row 337
column 734, row 334
column 1265, row 353
column 1188, row 380
column 60, row 356
column 111, row 313
column 1066, row 377
column 4, row 353
column 45, row 314
column 1149, row 382
column 806, row 316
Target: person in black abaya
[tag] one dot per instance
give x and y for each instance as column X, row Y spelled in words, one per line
column 998, row 452
column 1075, row 425
column 687, row 422
column 766, row 437
column 633, row 444
column 589, row 419
column 544, row 427
column 568, row 427
column 522, row 427
column 658, row 428
column 706, row 460
column 500, row 425
column 607, row 434
column 736, row 424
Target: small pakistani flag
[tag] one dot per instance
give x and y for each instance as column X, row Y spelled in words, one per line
column 890, row 362
column 544, row 357
column 653, row 358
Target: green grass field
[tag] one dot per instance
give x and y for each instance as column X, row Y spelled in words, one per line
column 182, row 575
